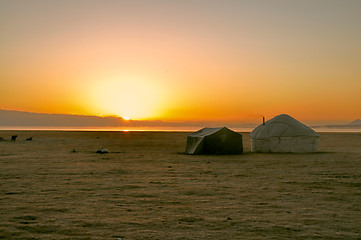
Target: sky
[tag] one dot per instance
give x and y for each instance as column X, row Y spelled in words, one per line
column 214, row 60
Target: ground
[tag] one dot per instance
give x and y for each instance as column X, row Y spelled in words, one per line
column 57, row 187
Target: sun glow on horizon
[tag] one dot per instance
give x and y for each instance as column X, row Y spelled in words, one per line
column 130, row 97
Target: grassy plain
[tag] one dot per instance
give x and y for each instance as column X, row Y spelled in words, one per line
column 145, row 189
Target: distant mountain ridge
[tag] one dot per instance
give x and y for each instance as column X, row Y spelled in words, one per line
column 30, row 119
column 357, row 122
column 13, row 119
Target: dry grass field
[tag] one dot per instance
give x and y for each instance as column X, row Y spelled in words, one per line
column 145, row 189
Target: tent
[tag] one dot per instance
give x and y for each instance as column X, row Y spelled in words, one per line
column 283, row 133
column 214, row 141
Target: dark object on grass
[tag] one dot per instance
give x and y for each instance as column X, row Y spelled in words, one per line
column 13, row 137
column 29, row 139
column 2, row 139
column 102, row 150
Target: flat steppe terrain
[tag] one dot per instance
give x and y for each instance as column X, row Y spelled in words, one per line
column 146, row 189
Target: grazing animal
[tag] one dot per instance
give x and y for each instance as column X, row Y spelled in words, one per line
column 29, row 139
column 13, row 138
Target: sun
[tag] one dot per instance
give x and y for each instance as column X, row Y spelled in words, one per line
column 129, row 97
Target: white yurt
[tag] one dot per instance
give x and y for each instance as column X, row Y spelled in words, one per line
column 214, row 141
column 283, row 134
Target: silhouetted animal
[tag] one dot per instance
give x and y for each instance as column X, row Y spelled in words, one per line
column 29, row 139
column 13, row 137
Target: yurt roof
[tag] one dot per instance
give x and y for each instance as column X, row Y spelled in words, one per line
column 205, row 132
column 282, row 126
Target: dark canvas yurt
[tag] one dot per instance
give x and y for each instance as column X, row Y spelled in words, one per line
column 214, row 141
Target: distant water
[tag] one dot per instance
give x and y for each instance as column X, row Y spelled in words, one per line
column 161, row 129
column 326, row 129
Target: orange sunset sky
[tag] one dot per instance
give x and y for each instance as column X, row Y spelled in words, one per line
column 214, row 60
